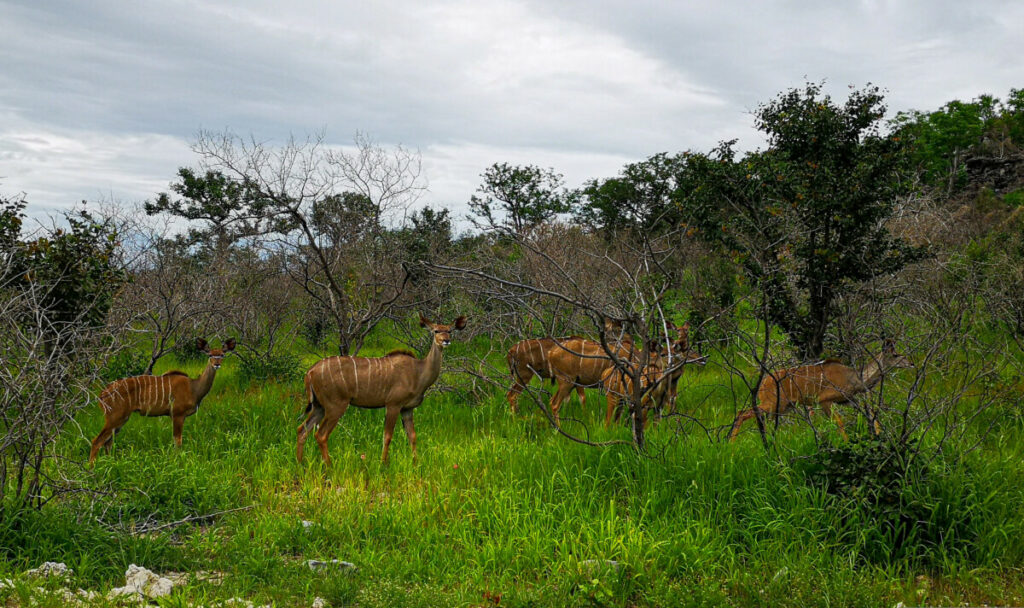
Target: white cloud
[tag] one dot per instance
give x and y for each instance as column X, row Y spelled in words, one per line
column 101, row 98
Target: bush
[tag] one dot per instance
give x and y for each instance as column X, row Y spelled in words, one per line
column 892, row 504
column 124, row 364
column 283, row 367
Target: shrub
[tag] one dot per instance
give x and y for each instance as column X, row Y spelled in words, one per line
column 124, row 364
column 281, row 367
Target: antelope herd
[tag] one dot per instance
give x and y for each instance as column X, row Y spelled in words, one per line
column 397, row 382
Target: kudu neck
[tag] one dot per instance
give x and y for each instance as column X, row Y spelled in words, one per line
column 203, row 384
column 430, row 366
column 872, row 372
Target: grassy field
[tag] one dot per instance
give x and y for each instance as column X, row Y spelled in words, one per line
column 501, row 510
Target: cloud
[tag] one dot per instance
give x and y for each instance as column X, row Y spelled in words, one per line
column 103, row 97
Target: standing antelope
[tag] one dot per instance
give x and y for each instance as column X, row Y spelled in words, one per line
column 663, row 370
column 680, row 355
column 529, row 358
column 827, row 382
column 395, row 382
column 572, row 362
column 173, row 394
column 618, row 384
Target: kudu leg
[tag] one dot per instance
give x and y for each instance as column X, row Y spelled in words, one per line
column 410, row 432
column 110, row 427
column 826, row 408
column 316, row 414
column 519, row 382
column 565, row 387
column 740, row 419
column 323, row 434
column 178, row 423
column 390, row 418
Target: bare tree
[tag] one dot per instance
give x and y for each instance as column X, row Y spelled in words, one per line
column 327, row 211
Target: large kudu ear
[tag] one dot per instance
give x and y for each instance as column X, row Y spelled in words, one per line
column 229, row 345
column 460, row 323
column 202, row 346
column 424, row 322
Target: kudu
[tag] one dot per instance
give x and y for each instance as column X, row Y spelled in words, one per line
column 173, row 394
column 395, row 382
column 826, row 383
column 618, row 383
column 660, row 377
column 572, row 362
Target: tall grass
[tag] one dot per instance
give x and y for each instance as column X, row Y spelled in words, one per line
column 502, row 506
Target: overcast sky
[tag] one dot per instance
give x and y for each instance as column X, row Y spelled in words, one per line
column 100, row 100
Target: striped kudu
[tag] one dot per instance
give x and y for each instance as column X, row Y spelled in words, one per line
column 826, row 383
column 395, row 382
column 173, row 394
column 663, row 370
column 571, row 362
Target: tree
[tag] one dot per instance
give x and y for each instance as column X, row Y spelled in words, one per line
column 326, row 211
column 805, row 218
column 643, row 198
column 55, row 291
column 515, row 199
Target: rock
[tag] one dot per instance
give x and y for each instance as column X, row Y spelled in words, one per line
column 308, row 524
column 80, row 597
column 315, row 564
column 143, row 583
column 605, row 563
column 49, row 569
column 319, row 602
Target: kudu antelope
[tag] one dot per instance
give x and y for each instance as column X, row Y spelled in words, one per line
column 680, row 356
column 618, row 383
column 826, row 383
column 395, row 382
column 662, row 372
column 173, row 394
column 573, row 363
column 529, row 358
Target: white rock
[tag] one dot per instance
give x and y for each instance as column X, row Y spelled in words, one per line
column 315, row 564
column 49, row 569
column 308, row 524
column 144, row 583
column 319, row 602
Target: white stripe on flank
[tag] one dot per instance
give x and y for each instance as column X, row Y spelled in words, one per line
column 355, row 373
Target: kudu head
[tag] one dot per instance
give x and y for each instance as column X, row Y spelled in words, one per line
column 891, row 359
column 216, row 355
column 681, row 345
column 442, row 333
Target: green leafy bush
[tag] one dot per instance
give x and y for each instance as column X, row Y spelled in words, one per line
column 280, row 367
column 124, row 364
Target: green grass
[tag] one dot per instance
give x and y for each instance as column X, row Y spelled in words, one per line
column 502, row 505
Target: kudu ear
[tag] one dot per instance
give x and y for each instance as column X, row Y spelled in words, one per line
column 460, row 323
column 202, row 345
column 229, row 345
column 424, row 322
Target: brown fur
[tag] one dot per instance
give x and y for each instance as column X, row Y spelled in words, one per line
column 826, row 383
column 529, row 358
column 173, row 394
column 395, row 382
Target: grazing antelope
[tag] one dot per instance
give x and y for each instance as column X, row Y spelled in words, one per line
column 618, row 384
column 680, row 356
column 659, row 360
column 395, row 382
column 529, row 358
column 173, row 394
column 827, row 382
column 554, row 358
